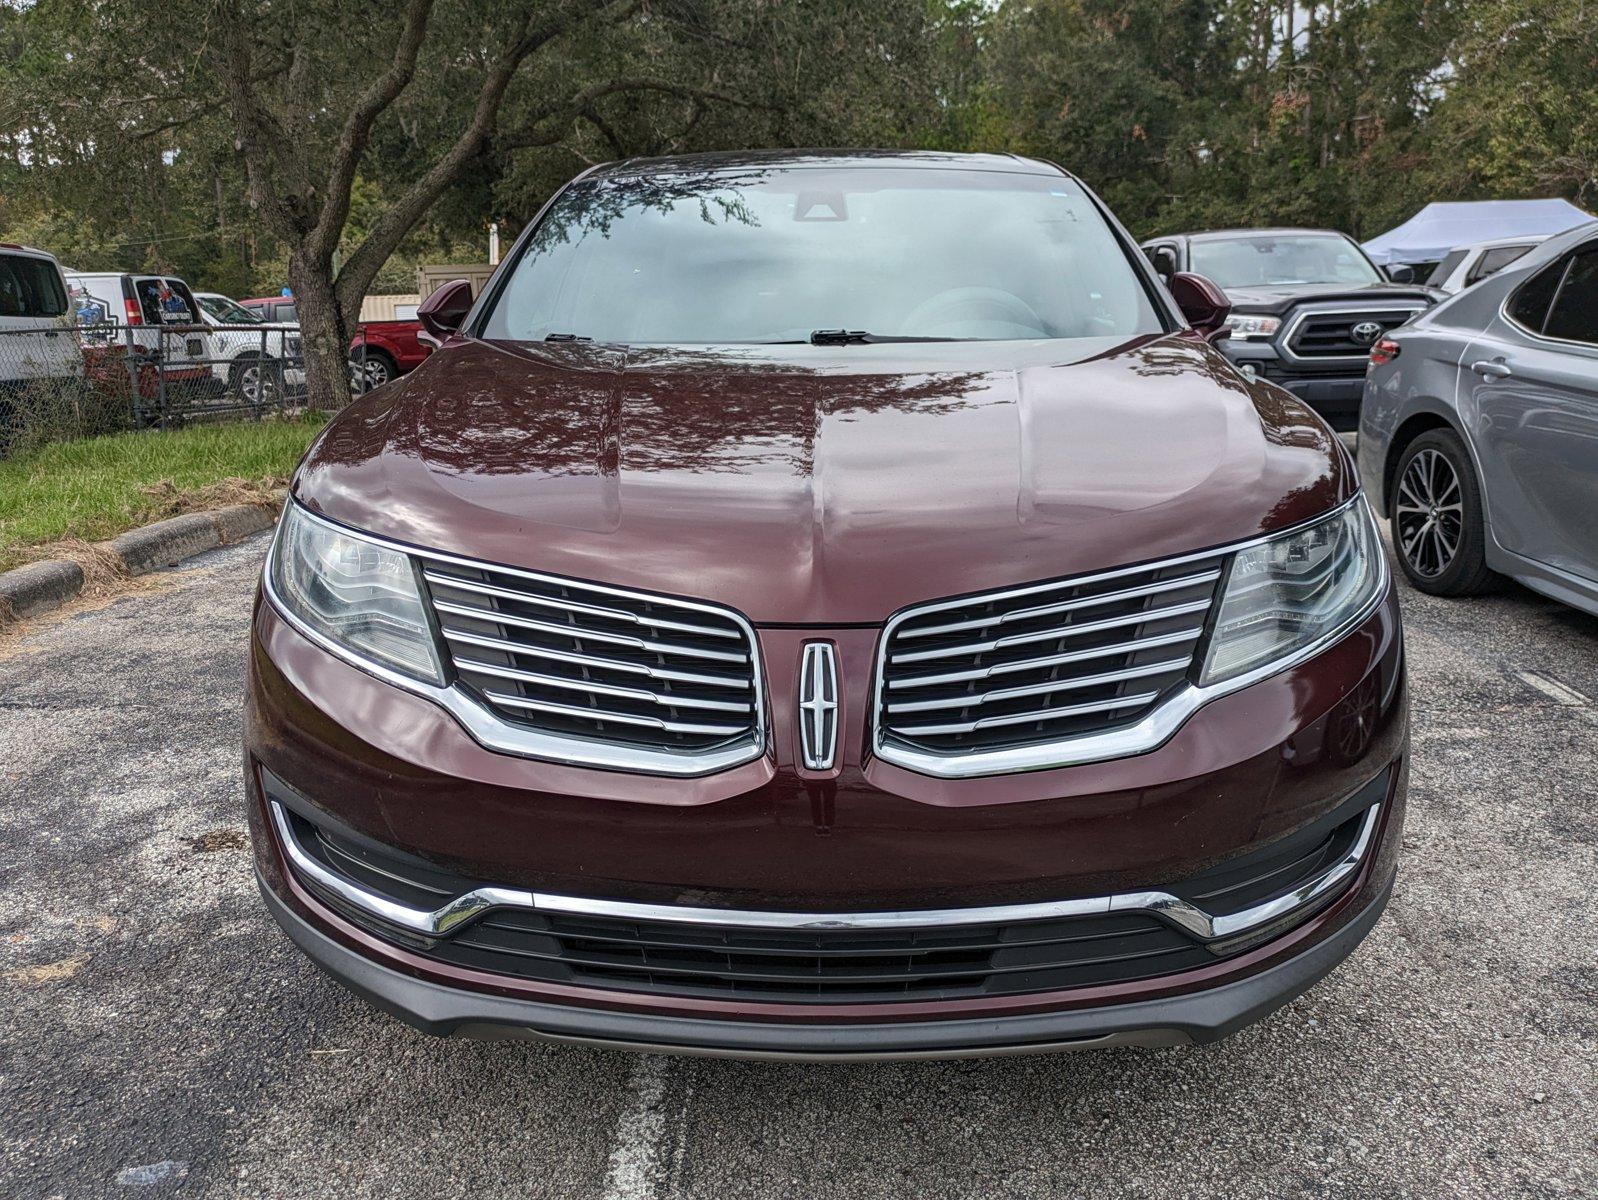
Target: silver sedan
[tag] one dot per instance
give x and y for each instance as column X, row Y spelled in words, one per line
column 1478, row 434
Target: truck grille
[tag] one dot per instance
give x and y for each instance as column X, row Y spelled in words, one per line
column 580, row 660
column 1331, row 334
column 1043, row 663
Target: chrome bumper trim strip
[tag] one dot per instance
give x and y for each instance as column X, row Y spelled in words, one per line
column 442, row 922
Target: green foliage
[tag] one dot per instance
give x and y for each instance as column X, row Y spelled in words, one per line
column 116, row 150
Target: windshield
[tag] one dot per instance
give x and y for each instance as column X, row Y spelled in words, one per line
column 776, row 255
column 227, row 311
column 1282, row 258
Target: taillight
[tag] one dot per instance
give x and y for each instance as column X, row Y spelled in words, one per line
column 131, row 307
column 1384, row 351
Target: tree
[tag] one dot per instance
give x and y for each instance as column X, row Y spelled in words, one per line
column 304, row 106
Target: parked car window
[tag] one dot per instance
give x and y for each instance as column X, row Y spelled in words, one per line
column 1529, row 306
column 1494, row 260
column 1447, row 267
column 30, row 287
column 1282, row 259
column 229, row 312
column 287, row 314
column 1574, row 316
column 772, row 255
column 164, row 301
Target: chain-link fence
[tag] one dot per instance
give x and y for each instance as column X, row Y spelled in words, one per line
column 77, row 381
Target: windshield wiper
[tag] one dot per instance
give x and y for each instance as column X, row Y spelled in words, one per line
column 566, row 337
column 847, row 337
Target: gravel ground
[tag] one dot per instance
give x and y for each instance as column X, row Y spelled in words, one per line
column 161, row 1037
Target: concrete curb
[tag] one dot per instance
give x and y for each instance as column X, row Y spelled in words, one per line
column 38, row 587
column 42, row 586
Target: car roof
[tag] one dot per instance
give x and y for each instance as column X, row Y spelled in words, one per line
column 1218, row 235
column 30, row 251
column 752, row 159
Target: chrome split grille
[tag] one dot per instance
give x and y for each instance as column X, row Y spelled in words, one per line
column 1043, row 663
column 581, row 660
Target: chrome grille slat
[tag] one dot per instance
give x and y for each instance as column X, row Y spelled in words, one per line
column 1042, row 689
column 1075, row 658
column 1024, row 614
column 603, row 715
column 1028, row 718
column 633, row 672
column 1049, row 660
column 581, row 633
column 1058, row 631
column 484, row 642
column 472, row 667
column 594, row 610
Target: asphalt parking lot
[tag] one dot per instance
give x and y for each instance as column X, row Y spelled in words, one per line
column 160, row 1037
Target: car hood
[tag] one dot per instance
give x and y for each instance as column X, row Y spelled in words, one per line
column 1278, row 298
column 825, row 485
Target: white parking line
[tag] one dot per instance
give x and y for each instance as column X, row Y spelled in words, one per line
column 1560, row 693
column 640, row 1140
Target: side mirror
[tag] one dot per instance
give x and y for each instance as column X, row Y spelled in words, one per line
column 1203, row 304
column 1164, row 260
column 441, row 313
column 1400, row 272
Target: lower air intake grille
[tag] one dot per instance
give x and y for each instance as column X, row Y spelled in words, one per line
column 1043, row 663
column 603, row 664
column 821, row 965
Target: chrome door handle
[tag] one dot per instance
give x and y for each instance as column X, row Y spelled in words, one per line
column 1491, row 370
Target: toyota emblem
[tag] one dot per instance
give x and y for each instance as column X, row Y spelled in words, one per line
column 1366, row 333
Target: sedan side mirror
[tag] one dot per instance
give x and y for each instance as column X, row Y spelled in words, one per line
column 1400, row 272
column 441, row 313
column 1203, row 304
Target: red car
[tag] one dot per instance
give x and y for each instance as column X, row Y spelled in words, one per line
column 827, row 606
column 379, row 351
column 384, row 350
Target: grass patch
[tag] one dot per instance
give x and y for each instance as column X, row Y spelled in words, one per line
column 95, row 488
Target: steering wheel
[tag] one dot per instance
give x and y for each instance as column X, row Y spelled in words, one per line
column 966, row 306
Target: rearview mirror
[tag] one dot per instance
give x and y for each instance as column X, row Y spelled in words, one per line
column 1203, row 304
column 441, row 313
column 1400, row 272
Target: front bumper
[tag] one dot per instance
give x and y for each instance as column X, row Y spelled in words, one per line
column 1197, row 1017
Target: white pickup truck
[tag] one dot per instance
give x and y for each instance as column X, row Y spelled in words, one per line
column 250, row 357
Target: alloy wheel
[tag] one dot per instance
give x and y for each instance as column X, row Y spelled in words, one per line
column 1429, row 513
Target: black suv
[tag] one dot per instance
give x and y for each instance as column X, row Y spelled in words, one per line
column 1307, row 305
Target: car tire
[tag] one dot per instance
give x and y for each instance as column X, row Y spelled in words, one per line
column 378, row 368
column 251, row 381
column 1439, row 537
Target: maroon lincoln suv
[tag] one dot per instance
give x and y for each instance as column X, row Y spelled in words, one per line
column 828, row 606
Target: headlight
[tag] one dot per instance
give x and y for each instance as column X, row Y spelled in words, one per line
column 362, row 596
column 1252, row 327
column 1295, row 590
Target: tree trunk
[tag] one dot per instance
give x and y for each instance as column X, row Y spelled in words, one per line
column 324, row 336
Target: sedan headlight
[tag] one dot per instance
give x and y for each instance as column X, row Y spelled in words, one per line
column 1245, row 327
column 361, row 596
column 1293, row 591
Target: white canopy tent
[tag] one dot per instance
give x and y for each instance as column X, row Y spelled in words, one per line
column 1447, row 225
